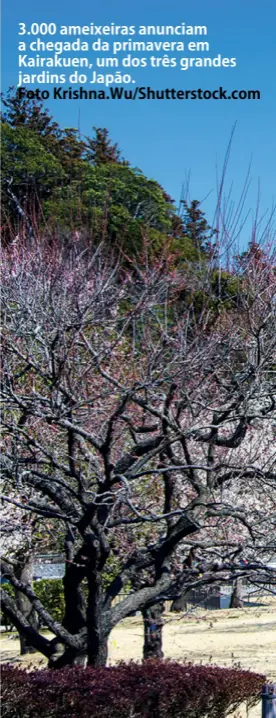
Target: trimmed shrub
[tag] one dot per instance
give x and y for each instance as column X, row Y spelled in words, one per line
column 154, row 689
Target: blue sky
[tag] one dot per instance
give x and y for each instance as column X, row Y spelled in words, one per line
column 170, row 138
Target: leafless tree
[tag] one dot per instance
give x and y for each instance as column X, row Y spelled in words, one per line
column 139, row 428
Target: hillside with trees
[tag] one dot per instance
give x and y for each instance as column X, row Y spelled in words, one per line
column 56, row 178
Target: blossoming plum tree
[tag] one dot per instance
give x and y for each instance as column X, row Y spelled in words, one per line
column 139, row 428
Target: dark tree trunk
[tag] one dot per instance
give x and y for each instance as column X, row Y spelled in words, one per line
column 180, row 604
column 98, row 651
column 97, row 648
column 24, row 573
column 236, row 600
column 81, row 615
column 63, row 657
column 153, row 624
column 75, row 610
column 74, row 617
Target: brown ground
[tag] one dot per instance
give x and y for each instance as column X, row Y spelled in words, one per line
column 244, row 637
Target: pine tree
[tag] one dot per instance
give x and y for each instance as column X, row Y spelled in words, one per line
column 28, row 113
column 196, row 226
column 101, row 150
column 71, row 152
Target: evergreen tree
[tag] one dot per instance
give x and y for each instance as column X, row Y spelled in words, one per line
column 101, row 150
column 71, row 152
column 29, row 113
column 79, row 183
column 196, row 226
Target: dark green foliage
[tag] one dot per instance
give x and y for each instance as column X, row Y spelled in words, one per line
column 226, row 289
column 212, row 290
column 184, row 251
column 84, row 184
column 25, row 158
column 21, row 112
column 77, row 184
column 100, row 149
column 197, row 228
column 155, row 689
column 49, row 592
column 115, row 201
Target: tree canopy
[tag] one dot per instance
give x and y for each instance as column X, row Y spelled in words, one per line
column 72, row 182
column 139, row 430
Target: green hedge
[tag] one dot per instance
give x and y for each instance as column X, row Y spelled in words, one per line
column 49, row 592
